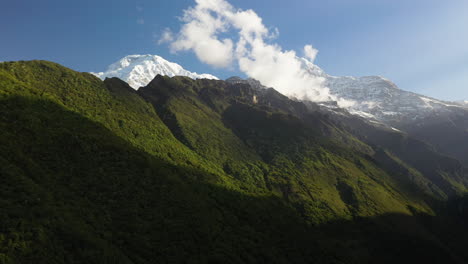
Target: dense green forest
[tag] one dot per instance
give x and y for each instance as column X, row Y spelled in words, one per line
column 197, row 171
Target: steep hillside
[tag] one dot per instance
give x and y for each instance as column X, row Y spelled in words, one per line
column 207, row 171
column 442, row 124
column 447, row 133
column 273, row 148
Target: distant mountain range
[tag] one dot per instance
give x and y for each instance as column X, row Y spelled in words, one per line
column 375, row 97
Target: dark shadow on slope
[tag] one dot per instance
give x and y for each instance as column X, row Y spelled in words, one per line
column 73, row 192
column 445, row 173
column 157, row 93
column 448, row 134
column 267, row 132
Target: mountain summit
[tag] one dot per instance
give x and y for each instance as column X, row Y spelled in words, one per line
column 139, row 70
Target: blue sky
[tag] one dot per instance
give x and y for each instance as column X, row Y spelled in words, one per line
column 420, row 45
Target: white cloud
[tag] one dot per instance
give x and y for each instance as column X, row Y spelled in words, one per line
column 199, row 33
column 139, row 8
column 166, row 36
column 310, row 52
column 204, row 29
column 140, row 21
column 274, row 34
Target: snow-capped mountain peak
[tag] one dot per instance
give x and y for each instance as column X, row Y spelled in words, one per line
column 139, row 70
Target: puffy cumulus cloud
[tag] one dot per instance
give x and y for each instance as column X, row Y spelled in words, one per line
column 281, row 70
column 203, row 24
column 204, row 29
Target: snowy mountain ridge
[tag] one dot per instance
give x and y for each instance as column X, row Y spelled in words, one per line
column 139, row 70
column 380, row 99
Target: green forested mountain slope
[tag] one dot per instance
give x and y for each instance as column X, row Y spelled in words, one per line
column 113, row 104
column 186, row 171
